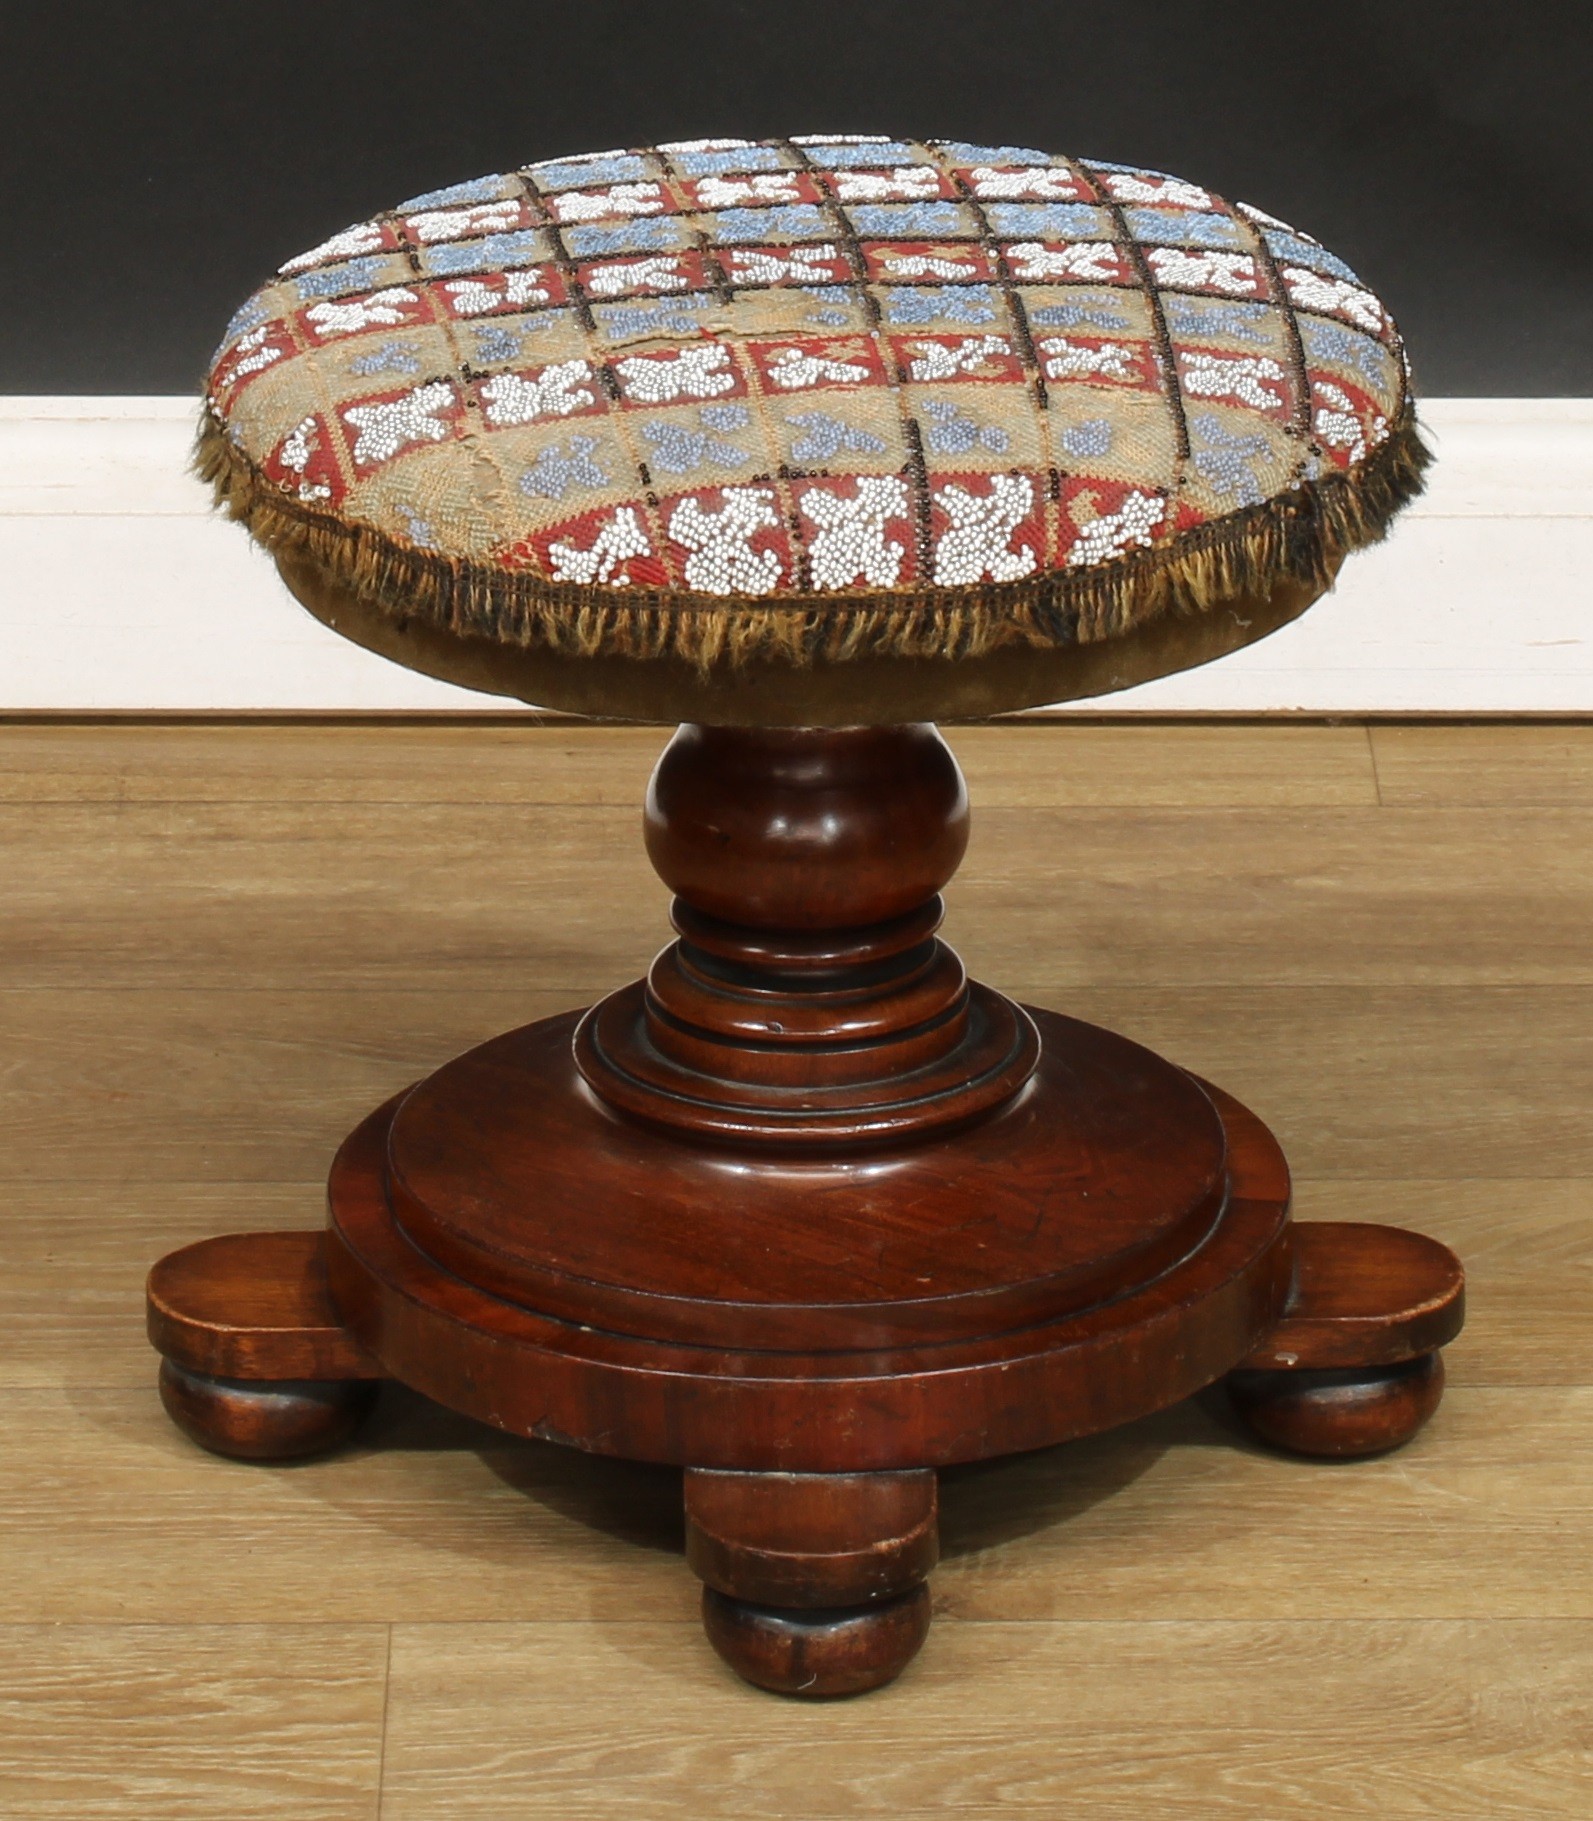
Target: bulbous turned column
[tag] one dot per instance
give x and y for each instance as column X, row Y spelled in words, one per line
column 808, row 1000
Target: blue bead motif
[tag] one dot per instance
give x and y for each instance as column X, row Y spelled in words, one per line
column 1327, row 341
column 677, row 450
column 1092, row 437
column 825, row 437
column 860, row 156
column 960, row 152
column 419, row 529
column 1048, row 220
column 1216, row 316
column 250, row 316
column 951, row 303
column 645, row 236
column 555, row 472
column 496, row 253
column 333, row 281
column 479, row 189
column 789, row 221
column 831, row 301
column 668, row 316
column 1223, row 461
column 390, row 357
column 1073, row 315
column 576, row 173
column 726, row 161
column 953, row 431
column 886, row 219
column 1291, row 250
column 496, row 341
column 1184, row 228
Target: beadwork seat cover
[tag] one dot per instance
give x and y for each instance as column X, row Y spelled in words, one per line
column 809, row 400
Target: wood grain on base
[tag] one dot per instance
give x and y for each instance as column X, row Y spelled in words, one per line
column 1528, row 1247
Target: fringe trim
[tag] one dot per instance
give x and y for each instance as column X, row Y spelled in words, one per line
column 1300, row 535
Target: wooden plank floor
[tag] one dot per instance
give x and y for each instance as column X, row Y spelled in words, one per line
column 219, row 945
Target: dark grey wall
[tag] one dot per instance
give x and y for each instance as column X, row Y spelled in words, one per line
column 159, row 158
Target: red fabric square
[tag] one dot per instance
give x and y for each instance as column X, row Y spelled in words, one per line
column 1105, row 519
column 609, row 547
column 389, row 424
column 808, row 363
column 698, row 373
column 642, row 274
column 926, row 262
column 335, row 318
column 251, row 354
column 859, row 531
column 728, row 540
column 822, row 263
column 1025, row 183
column 939, row 358
column 1068, row 262
column 494, row 293
column 987, row 527
column 469, row 221
column 751, row 190
column 304, row 463
column 1097, row 360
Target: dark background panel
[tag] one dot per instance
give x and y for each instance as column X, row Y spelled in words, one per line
column 160, row 158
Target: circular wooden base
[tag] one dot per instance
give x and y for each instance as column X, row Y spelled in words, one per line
column 932, row 1304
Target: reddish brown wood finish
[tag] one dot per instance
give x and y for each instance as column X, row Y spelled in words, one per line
column 1353, row 1368
column 817, row 1653
column 811, row 1539
column 815, row 1412
column 1342, row 1412
column 813, row 1582
column 809, row 1214
column 808, row 1001
column 1364, row 1296
column 1045, row 1207
column 252, row 1306
column 281, row 1421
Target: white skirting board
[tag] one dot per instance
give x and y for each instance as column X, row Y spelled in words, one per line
column 120, row 591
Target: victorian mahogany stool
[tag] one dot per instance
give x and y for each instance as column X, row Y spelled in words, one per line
column 807, row 444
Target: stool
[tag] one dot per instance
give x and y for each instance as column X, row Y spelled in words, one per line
column 807, row 444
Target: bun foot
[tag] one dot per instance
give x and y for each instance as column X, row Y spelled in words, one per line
column 1339, row 1413
column 813, row 1582
column 818, row 1652
column 264, row 1421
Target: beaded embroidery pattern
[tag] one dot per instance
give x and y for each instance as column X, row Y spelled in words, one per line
column 792, row 368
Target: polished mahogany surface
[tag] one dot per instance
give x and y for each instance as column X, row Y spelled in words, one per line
column 809, row 1214
column 755, row 1408
column 1057, row 1201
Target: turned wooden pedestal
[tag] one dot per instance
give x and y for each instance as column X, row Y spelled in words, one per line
column 809, row 1214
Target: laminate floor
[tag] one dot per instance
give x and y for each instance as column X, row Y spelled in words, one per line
column 221, row 944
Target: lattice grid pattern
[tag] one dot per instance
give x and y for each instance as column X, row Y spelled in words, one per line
column 806, row 367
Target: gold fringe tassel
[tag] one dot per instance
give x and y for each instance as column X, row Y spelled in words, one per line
column 1299, row 535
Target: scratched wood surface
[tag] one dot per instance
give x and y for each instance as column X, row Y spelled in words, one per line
column 219, row 944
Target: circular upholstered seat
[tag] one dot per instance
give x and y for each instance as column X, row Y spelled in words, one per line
column 815, row 431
